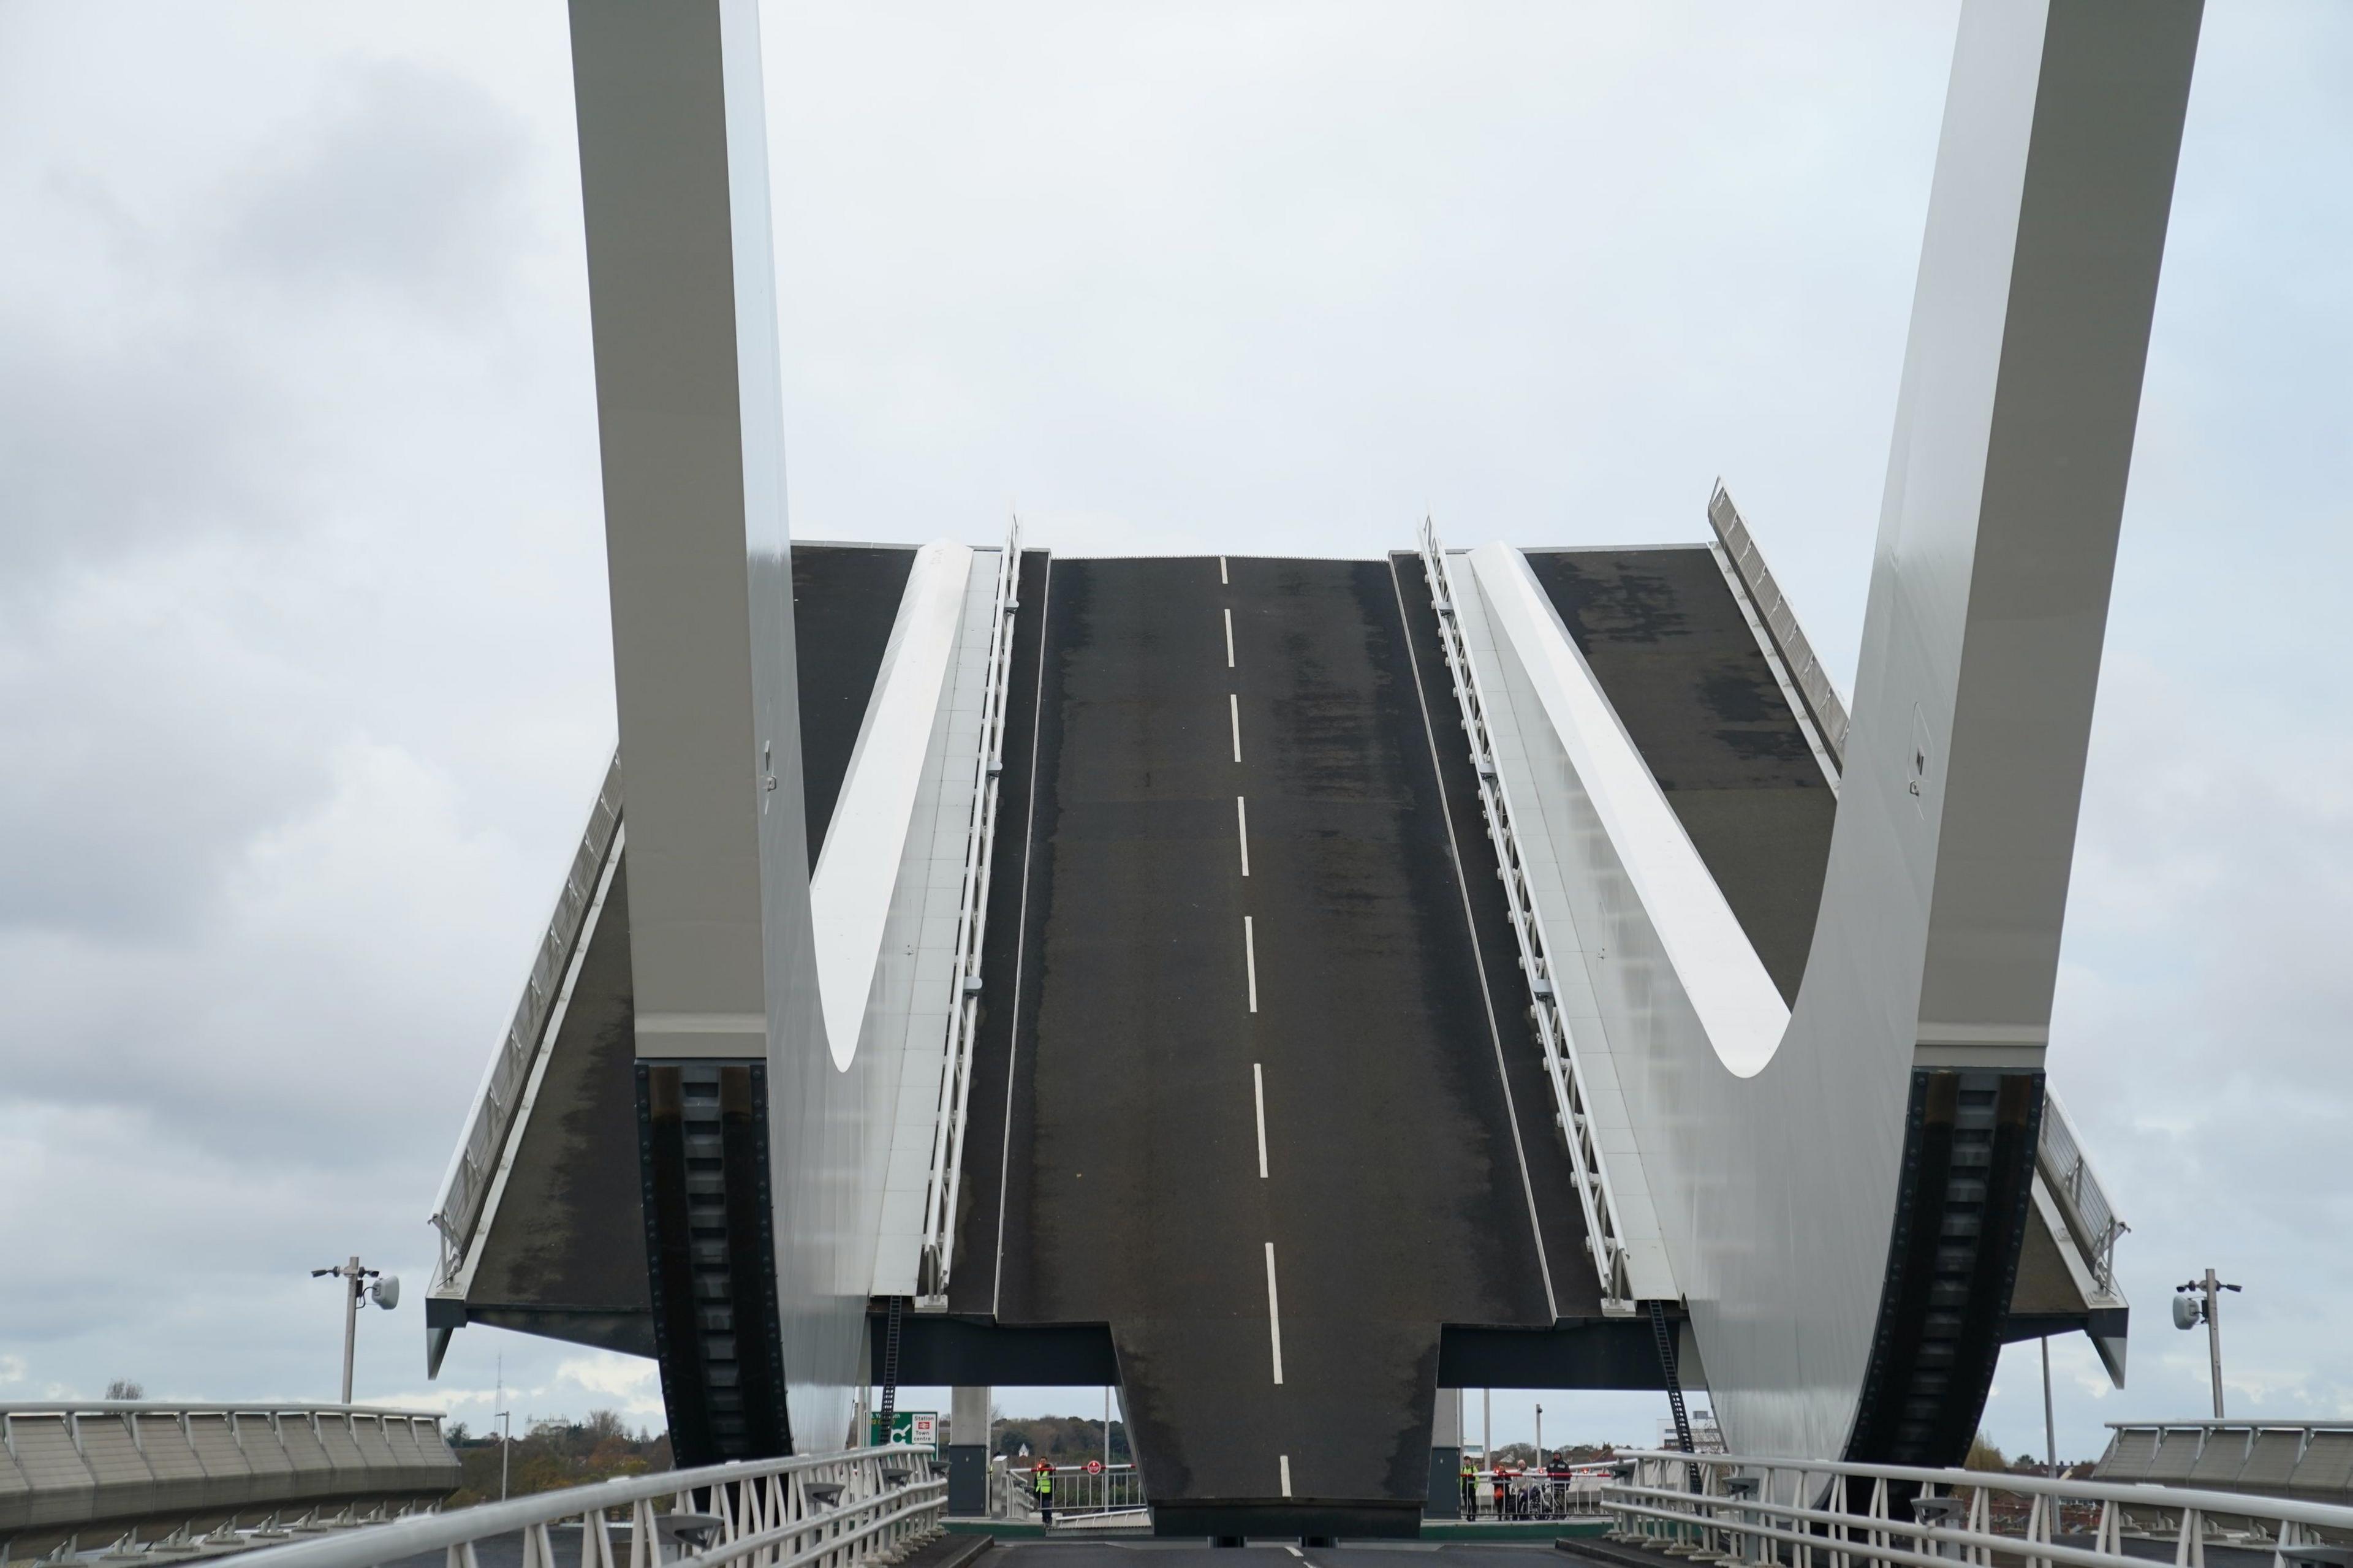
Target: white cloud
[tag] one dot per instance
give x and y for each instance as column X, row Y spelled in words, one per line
column 632, row 1384
column 303, row 637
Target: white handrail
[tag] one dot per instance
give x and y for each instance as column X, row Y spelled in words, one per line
column 1797, row 1504
column 1605, row 1233
column 946, row 1180
column 850, row 1507
column 467, row 1183
column 2083, row 1202
column 1818, row 694
column 1083, row 1493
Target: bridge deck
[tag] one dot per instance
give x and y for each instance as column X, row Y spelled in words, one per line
column 1111, row 1173
column 564, row 1251
column 845, row 602
column 1667, row 641
column 1395, row 1198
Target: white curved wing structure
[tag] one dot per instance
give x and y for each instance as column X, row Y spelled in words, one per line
column 1606, row 806
column 1819, row 1177
column 858, row 868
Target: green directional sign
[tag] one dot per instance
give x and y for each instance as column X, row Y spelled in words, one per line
column 920, row 1427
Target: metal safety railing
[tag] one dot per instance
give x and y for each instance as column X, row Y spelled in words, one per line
column 1004, row 1490
column 1822, row 1514
column 1536, row 1495
column 2083, row 1202
column 1083, row 1493
column 473, row 1167
column 825, row 1510
column 1823, row 710
column 946, row 1180
column 1605, row 1234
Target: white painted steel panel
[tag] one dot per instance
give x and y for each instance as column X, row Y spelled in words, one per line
column 1733, row 1000
column 16, row 1494
column 63, row 1488
column 921, row 945
column 310, row 1472
column 214, row 1438
column 875, row 819
column 1549, row 819
column 673, row 186
column 257, row 1439
column 179, row 1473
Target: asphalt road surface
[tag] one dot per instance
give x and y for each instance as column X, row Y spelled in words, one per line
column 506, row 1551
column 1669, row 644
column 1194, row 1554
column 1267, row 1136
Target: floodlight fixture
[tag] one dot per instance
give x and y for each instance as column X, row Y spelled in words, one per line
column 381, row 1289
column 2200, row 1301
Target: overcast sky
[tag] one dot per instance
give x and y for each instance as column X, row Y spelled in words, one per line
column 304, row 685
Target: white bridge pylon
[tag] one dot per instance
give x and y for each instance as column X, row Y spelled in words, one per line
column 826, row 980
column 1753, row 1151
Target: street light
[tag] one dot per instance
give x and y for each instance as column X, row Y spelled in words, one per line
column 381, row 1289
column 2200, row 1301
column 506, row 1432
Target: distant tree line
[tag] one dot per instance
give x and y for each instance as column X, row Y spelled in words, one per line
column 553, row 1454
column 1064, row 1439
column 1523, row 1456
column 1984, row 1456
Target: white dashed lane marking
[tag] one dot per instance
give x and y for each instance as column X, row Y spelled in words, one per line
column 1242, row 823
column 1234, row 708
column 1257, row 1090
column 1249, row 960
column 1274, row 1335
column 1229, row 639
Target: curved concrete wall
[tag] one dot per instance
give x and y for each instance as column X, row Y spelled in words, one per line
column 92, row 1472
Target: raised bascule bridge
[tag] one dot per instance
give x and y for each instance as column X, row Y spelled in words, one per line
column 1285, row 989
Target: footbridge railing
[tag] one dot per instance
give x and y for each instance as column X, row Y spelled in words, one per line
column 1092, row 1493
column 1605, row 1232
column 473, row 1168
column 1819, row 1514
column 946, row 1180
column 824, row 1510
column 2083, row 1202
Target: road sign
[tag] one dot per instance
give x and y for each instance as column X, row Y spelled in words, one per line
column 1094, row 1466
column 920, row 1427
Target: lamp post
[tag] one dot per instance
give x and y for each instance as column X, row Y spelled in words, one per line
column 2201, row 1300
column 505, row 1416
column 381, row 1289
column 2049, row 1427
